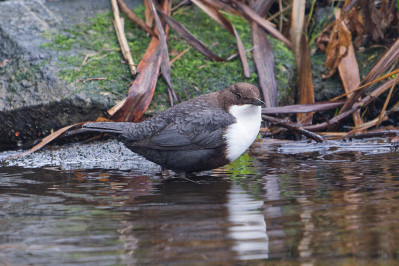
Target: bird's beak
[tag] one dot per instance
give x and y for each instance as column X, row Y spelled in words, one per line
column 259, row 102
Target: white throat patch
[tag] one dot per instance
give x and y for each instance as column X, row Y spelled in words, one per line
column 240, row 135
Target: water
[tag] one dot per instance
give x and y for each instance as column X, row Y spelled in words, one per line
column 277, row 206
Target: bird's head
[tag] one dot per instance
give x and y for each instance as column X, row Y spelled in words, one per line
column 240, row 94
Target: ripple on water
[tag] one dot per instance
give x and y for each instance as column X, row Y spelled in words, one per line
column 292, row 208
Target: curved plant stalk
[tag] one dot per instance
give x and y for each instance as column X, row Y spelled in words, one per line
column 382, row 114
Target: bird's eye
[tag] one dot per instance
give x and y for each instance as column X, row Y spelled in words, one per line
column 238, row 96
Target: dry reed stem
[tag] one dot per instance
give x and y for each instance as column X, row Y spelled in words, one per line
column 382, row 114
column 120, row 33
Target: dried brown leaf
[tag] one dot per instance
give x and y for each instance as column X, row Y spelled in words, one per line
column 349, row 73
column 165, row 63
column 348, row 69
column 302, row 55
column 141, row 92
column 149, row 18
column 378, row 21
column 355, row 24
column 337, row 48
column 264, row 57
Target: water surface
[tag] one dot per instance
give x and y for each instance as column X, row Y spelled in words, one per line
column 280, row 207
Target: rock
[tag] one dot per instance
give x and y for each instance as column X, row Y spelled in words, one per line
column 34, row 100
column 110, row 154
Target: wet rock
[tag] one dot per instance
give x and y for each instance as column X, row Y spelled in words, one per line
column 34, row 100
column 109, row 154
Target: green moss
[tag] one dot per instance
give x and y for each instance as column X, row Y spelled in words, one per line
column 285, row 71
column 60, row 42
column 193, row 74
column 368, row 58
column 90, row 51
column 26, row 70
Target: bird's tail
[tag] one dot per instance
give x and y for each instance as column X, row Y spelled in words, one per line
column 106, row 127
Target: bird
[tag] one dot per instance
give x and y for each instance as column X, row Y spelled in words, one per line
column 200, row 134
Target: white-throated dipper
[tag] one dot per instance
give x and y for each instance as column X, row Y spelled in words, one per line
column 200, row 134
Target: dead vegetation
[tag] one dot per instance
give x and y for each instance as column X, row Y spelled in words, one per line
column 354, row 24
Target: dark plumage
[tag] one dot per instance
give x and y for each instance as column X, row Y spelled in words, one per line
column 188, row 137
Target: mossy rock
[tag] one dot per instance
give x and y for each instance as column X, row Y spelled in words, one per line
column 103, row 74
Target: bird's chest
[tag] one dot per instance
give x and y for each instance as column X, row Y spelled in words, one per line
column 240, row 135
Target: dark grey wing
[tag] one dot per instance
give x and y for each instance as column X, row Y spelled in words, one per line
column 203, row 129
